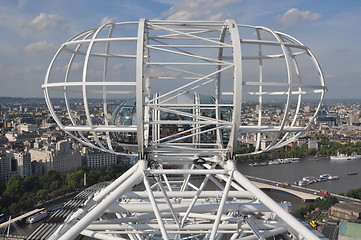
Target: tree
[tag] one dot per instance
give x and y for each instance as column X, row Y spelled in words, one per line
column 14, row 187
column 55, row 185
column 92, row 177
column 16, row 207
column 2, row 187
column 31, row 183
column 42, row 194
column 322, row 204
column 19, row 194
column 49, row 177
column 354, row 193
column 75, row 180
column 115, row 170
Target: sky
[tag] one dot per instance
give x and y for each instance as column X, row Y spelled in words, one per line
column 32, row 30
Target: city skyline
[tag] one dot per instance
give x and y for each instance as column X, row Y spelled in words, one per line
column 32, row 31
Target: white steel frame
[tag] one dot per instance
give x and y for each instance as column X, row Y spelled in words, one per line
column 176, row 203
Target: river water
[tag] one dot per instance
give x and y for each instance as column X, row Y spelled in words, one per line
column 292, row 172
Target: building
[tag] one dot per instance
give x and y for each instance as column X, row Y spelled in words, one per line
column 354, row 118
column 311, row 142
column 349, row 231
column 11, row 136
column 95, row 160
column 13, row 162
column 61, row 158
column 7, row 167
column 28, row 127
column 346, row 211
column 23, row 160
column 328, row 121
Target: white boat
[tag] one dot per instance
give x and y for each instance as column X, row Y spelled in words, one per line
column 283, row 161
column 37, row 217
column 255, row 164
column 309, row 180
column 341, row 156
column 303, row 183
column 294, row 160
column 327, row 176
column 274, row 162
column 258, row 164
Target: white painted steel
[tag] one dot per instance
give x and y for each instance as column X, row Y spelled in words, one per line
column 147, row 44
column 179, row 127
column 187, row 194
column 274, row 207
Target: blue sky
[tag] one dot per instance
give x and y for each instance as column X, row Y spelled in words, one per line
column 32, row 30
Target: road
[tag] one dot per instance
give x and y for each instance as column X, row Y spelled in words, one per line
column 300, row 189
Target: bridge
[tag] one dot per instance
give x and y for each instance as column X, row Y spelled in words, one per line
column 21, row 217
column 306, row 194
column 269, row 184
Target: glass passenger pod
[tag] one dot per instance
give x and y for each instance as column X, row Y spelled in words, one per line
column 176, row 128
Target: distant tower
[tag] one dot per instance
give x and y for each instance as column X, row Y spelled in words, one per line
column 185, row 184
column 354, row 117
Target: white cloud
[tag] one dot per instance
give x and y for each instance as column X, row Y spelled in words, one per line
column 118, row 66
column 45, row 22
column 197, row 10
column 10, row 71
column 330, row 76
column 106, row 20
column 76, row 66
column 41, row 48
column 154, row 72
column 170, row 2
column 294, row 16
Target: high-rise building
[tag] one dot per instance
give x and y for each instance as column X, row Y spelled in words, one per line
column 23, row 160
column 354, row 117
column 14, row 162
column 95, row 160
column 62, row 158
column 7, row 167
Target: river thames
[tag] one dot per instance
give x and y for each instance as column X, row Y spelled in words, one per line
column 292, row 172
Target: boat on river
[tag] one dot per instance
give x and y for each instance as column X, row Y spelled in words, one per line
column 294, row 160
column 258, row 164
column 285, row 160
column 341, row 156
column 37, row 217
column 352, row 173
column 274, row 162
column 327, row 176
column 309, row 180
